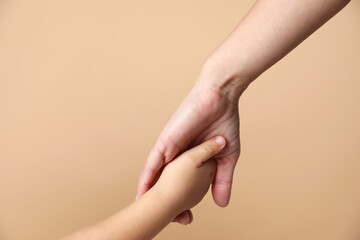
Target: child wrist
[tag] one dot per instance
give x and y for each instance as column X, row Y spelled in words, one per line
column 169, row 204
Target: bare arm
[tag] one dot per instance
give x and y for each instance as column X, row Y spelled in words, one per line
column 141, row 220
column 182, row 185
column 270, row 30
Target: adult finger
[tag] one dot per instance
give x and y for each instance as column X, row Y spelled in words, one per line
column 151, row 169
column 179, row 131
column 221, row 186
column 184, row 218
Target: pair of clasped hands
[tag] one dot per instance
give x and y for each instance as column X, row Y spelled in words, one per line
column 199, row 145
column 187, row 151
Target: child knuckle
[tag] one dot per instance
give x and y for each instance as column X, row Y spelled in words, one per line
column 208, row 150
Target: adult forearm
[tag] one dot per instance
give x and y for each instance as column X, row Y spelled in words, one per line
column 270, row 30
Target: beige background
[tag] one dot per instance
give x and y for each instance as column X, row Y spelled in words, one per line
column 86, row 86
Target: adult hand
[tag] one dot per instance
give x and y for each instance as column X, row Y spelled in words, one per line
column 269, row 31
column 204, row 113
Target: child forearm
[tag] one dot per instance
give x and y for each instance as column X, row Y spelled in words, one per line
column 141, row 220
column 182, row 185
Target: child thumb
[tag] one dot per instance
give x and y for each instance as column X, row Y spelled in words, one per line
column 207, row 149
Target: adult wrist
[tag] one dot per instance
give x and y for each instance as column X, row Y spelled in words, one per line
column 230, row 82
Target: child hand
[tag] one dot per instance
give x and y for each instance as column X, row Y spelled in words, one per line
column 186, row 179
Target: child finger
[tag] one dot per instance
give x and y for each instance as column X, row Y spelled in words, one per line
column 206, row 150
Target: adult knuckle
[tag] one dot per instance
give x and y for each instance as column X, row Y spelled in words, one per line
column 223, row 182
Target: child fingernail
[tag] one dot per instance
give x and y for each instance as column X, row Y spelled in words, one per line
column 220, row 141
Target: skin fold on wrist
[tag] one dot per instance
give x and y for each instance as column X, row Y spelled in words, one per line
column 229, row 83
column 230, row 72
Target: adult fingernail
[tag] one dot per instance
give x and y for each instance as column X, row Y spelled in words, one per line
column 182, row 222
column 220, row 141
